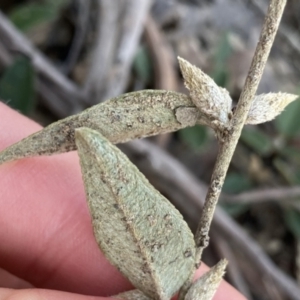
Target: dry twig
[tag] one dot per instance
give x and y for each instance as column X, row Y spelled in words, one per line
column 290, row 36
column 131, row 28
column 104, row 48
column 229, row 142
column 70, row 96
column 83, row 13
column 5, row 58
column 227, row 146
column 163, row 58
column 259, row 196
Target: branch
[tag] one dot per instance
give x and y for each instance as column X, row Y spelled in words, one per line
column 228, row 144
column 253, row 252
column 5, row 58
column 104, row 47
column 82, row 22
column 71, row 97
column 131, row 28
column 259, row 196
column 162, row 55
column 290, row 36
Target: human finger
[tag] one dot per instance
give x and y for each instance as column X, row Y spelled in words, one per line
column 45, row 228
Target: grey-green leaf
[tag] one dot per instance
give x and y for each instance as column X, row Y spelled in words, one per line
column 132, row 295
column 137, row 228
column 206, row 286
column 211, row 99
column 266, row 107
column 130, row 116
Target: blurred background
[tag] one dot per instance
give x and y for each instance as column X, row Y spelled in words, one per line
column 60, row 57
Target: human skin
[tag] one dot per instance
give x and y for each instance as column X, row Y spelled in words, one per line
column 45, row 228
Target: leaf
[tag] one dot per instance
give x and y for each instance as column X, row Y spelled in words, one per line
column 212, row 100
column 266, row 107
column 288, row 122
column 132, row 295
column 206, row 286
column 257, row 140
column 17, row 85
column 195, row 137
column 138, row 229
column 129, row 116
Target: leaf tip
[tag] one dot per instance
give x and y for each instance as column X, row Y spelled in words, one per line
column 213, row 101
column 90, row 141
column 81, row 136
column 266, row 107
column 206, row 286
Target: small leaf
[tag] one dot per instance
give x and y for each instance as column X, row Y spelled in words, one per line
column 121, row 119
column 138, row 229
column 212, row 100
column 17, row 85
column 266, row 107
column 132, row 295
column 206, row 286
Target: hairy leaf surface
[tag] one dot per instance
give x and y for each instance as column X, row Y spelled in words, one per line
column 137, row 229
column 266, row 107
column 206, row 286
column 211, row 99
column 130, row 116
column 132, row 295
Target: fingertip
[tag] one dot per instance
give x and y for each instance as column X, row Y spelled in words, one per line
column 14, row 126
column 46, row 224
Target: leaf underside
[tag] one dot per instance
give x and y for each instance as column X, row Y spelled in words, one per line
column 205, row 287
column 137, row 228
column 132, row 115
column 132, row 295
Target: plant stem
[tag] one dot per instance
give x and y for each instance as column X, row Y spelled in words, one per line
column 228, row 144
